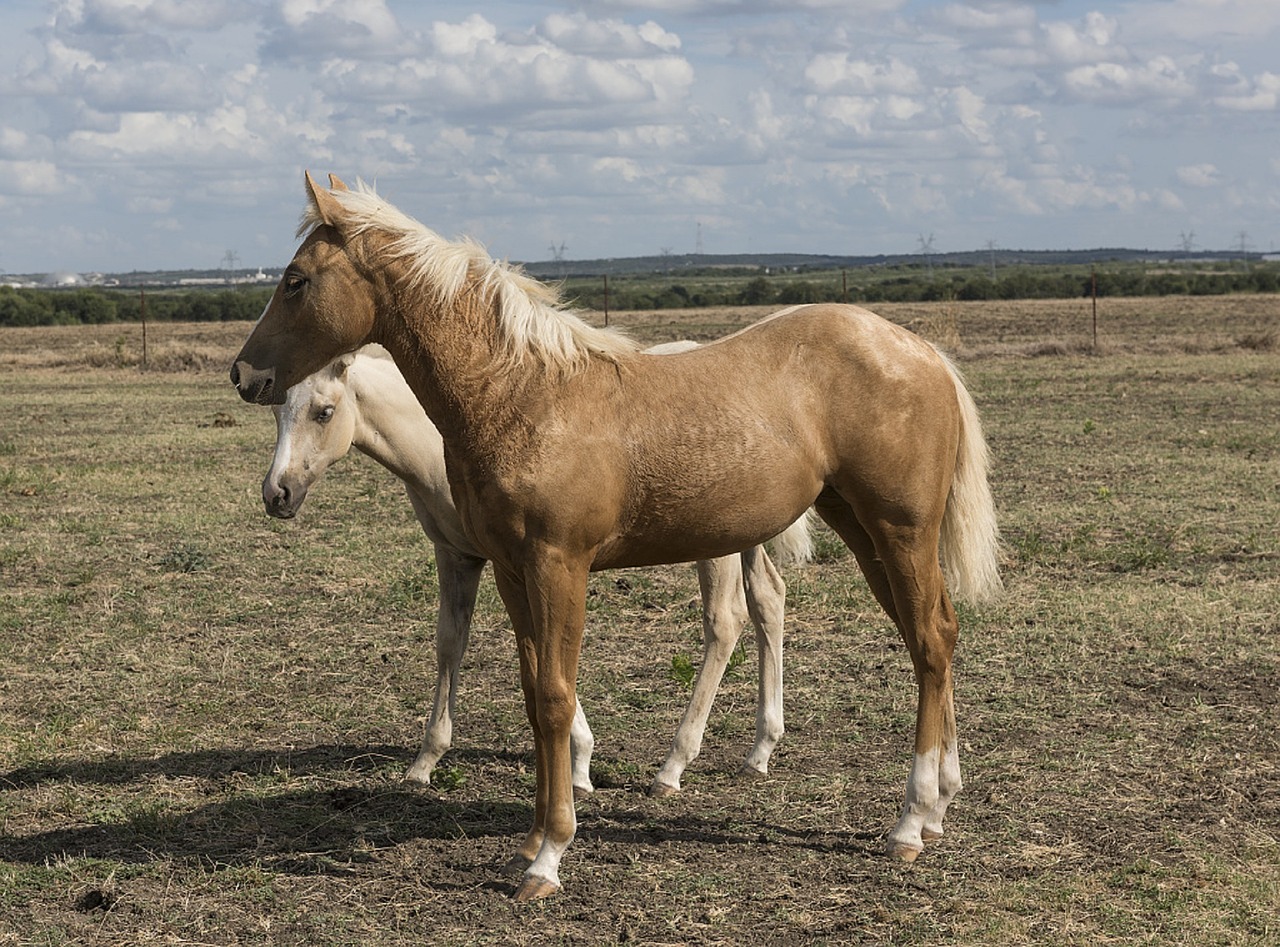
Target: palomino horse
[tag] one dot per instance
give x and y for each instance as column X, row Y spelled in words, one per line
column 568, row 451
column 362, row 400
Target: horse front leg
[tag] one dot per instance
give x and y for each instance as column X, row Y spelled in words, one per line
column 459, row 577
column 549, row 636
column 511, row 590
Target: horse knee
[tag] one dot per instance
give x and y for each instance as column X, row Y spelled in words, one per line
column 554, row 709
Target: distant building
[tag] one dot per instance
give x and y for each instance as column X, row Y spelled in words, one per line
column 65, row 280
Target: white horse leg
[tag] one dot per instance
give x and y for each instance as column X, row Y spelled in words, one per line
column 459, row 579
column 949, row 782
column 766, row 601
column 581, row 744
column 723, row 613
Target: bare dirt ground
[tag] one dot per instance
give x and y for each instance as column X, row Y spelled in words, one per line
column 204, row 714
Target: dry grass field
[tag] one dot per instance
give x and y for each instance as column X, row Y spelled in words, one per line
column 205, row 713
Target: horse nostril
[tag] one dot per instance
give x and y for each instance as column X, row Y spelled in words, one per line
column 235, row 374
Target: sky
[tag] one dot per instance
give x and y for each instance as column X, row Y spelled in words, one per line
column 173, row 134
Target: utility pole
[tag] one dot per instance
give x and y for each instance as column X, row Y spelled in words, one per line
column 926, row 247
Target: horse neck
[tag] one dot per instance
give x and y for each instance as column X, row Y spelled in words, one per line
column 391, row 426
column 447, row 356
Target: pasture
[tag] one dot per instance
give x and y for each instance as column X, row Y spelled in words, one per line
column 205, row 713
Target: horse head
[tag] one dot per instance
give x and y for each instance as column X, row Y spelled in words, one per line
column 315, row 427
column 323, row 306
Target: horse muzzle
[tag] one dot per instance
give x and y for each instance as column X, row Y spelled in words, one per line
column 280, row 501
column 256, row 386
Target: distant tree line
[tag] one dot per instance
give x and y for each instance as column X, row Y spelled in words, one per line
column 1017, row 283
column 44, row 307
column 53, row 307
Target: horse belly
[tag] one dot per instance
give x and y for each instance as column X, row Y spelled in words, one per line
column 692, row 518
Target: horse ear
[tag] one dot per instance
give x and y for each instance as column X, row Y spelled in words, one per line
column 342, row 363
column 335, row 183
column 326, row 206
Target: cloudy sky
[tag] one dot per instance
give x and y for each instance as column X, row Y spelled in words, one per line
column 155, row 134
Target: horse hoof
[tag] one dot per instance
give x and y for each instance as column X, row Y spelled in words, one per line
column 516, row 866
column 580, row 793
column 931, row 835
column 532, row 888
column 903, row 853
column 418, row 778
column 662, row 790
column 750, row 772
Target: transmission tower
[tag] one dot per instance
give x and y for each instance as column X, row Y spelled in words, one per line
column 926, row 248
column 1187, row 239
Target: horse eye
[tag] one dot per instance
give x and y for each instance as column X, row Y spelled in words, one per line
column 325, row 414
column 293, row 283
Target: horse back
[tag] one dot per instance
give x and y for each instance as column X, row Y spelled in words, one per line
column 720, row 447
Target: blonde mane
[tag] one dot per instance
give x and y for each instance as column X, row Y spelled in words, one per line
column 532, row 318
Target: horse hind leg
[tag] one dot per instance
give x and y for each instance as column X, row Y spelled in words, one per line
column 766, row 602
column 723, row 614
column 901, row 566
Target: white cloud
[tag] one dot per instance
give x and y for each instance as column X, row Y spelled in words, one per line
column 839, row 73
column 745, row 7
column 1109, row 83
column 1092, row 41
column 1050, row 120
column 1259, row 94
column 1016, row 21
column 147, row 204
column 309, row 30
column 1205, row 21
column 1199, row 175
column 577, row 34
column 465, row 38
column 31, row 178
column 525, row 75
column 134, row 16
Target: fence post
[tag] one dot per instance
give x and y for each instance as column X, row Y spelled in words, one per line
column 142, row 305
column 606, row 299
column 1094, row 280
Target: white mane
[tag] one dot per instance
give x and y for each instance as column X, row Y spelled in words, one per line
column 533, row 320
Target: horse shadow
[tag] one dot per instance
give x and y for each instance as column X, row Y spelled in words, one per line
column 343, row 815
column 344, row 811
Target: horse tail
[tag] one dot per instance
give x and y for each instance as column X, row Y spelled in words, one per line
column 793, row 544
column 970, row 540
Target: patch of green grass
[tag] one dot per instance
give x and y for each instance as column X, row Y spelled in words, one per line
column 185, row 557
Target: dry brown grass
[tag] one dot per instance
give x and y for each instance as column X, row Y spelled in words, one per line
column 204, row 713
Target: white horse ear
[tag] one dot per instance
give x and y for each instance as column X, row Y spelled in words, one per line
column 335, row 183
column 327, row 207
column 342, row 364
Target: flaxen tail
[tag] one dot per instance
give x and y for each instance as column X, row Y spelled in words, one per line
column 970, row 542
column 794, row 544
